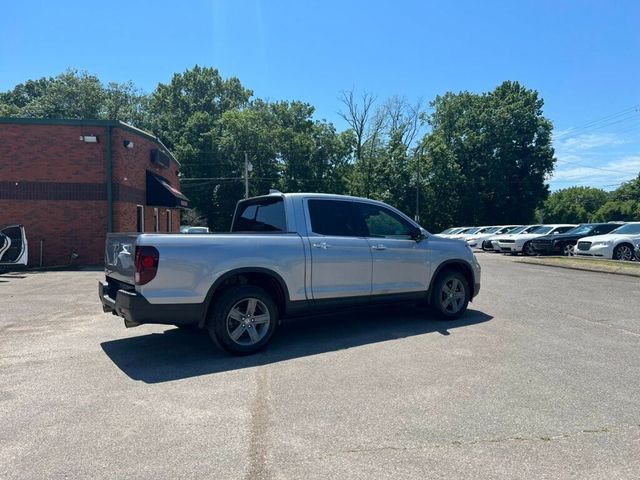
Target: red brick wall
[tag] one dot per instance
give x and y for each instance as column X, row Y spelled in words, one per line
column 55, row 153
column 129, row 169
column 51, row 153
column 65, row 226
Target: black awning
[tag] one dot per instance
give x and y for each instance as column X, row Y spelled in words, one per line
column 160, row 193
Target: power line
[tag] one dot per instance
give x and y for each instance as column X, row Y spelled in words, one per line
column 630, row 113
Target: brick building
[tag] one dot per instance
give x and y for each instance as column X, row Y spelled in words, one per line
column 69, row 182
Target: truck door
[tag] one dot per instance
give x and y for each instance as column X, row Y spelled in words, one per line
column 340, row 255
column 400, row 264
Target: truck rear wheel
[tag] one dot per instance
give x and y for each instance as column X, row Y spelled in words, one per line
column 450, row 295
column 243, row 320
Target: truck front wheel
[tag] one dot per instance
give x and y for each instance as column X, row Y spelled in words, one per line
column 450, row 294
column 243, row 320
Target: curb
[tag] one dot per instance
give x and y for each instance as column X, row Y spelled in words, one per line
column 587, row 268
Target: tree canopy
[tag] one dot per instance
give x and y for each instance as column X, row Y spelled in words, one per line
column 487, row 157
column 468, row 159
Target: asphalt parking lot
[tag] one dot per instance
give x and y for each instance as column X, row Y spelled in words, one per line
column 540, row 379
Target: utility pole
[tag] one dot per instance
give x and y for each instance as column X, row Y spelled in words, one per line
column 246, row 175
column 418, row 155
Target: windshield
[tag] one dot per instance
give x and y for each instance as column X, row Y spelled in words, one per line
column 628, row 229
column 542, row 230
column 518, row 229
column 530, row 229
column 580, row 230
column 510, row 229
column 491, row 230
column 473, row 230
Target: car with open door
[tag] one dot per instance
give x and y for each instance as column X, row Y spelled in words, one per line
column 13, row 248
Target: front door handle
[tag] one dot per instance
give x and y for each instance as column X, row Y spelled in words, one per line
column 322, row 245
column 379, row 246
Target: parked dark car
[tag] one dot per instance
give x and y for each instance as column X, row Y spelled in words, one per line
column 563, row 243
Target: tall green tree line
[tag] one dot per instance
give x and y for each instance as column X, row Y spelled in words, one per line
column 465, row 159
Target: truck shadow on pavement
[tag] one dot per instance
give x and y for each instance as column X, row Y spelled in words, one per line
column 178, row 354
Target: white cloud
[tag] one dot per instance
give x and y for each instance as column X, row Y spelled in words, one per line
column 574, row 170
column 588, row 141
column 602, row 160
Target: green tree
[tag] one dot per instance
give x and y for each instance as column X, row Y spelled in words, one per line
column 573, row 205
column 75, row 94
column 185, row 114
column 623, row 203
column 492, row 152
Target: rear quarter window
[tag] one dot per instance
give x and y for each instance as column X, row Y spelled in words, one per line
column 263, row 215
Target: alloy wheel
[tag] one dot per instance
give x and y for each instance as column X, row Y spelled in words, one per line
column 248, row 321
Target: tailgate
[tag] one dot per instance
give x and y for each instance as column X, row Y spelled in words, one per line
column 119, row 256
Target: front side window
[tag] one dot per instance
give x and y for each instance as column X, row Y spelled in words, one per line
column 262, row 215
column 334, row 218
column 383, row 223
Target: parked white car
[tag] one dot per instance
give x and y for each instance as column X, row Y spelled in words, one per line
column 452, row 232
column 617, row 245
column 470, row 232
column 521, row 243
column 14, row 251
column 516, row 231
column 476, row 240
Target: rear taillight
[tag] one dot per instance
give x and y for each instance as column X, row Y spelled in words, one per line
column 147, row 259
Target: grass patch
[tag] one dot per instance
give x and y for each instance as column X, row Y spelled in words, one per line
column 590, row 264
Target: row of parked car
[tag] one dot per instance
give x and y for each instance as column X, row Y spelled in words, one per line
column 614, row 240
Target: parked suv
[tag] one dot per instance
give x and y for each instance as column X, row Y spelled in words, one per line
column 563, row 243
column 618, row 245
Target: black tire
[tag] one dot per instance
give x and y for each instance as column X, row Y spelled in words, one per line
column 623, row 252
column 237, row 327
column 527, row 250
column 443, row 298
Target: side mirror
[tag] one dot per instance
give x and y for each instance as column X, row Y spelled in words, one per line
column 416, row 234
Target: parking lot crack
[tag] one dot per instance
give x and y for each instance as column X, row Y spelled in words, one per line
column 259, row 434
column 484, row 441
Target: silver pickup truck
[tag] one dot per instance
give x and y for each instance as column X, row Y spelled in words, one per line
column 286, row 254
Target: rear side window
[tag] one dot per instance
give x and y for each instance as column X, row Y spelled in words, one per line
column 601, row 229
column 335, row 218
column 264, row 215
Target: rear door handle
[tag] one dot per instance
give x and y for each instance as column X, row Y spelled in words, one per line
column 322, row 245
column 379, row 246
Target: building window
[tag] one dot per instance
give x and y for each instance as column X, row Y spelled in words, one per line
column 168, row 221
column 156, row 220
column 139, row 218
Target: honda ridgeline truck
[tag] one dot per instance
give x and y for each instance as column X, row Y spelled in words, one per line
column 286, row 254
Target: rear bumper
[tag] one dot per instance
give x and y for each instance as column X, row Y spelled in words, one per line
column 136, row 310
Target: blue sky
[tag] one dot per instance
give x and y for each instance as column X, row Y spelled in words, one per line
column 582, row 56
